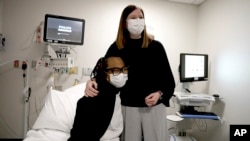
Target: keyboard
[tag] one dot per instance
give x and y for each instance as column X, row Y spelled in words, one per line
column 196, row 114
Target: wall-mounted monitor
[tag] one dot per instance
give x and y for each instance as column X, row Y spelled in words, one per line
column 193, row 67
column 63, row 30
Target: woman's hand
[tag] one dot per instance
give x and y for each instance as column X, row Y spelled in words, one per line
column 152, row 99
column 91, row 89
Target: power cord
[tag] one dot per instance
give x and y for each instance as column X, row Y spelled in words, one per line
column 24, row 67
column 2, row 40
column 201, row 124
column 187, row 90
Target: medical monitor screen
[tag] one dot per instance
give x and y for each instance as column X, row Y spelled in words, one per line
column 193, row 67
column 63, row 30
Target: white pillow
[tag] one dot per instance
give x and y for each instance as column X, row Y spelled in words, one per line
column 59, row 110
column 79, row 89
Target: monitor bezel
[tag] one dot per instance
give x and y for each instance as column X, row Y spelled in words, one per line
column 182, row 68
column 45, row 38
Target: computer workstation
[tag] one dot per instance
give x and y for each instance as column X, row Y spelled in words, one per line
column 188, row 102
column 193, row 68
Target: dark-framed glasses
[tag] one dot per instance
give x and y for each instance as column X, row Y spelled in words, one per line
column 117, row 71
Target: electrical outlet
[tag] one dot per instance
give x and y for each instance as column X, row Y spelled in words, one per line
column 34, row 64
column 16, row 63
column 87, row 71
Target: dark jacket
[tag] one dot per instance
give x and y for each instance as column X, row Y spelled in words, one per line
column 93, row 114
column 149, row 71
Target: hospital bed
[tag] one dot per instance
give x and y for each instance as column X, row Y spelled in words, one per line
column 57, row 116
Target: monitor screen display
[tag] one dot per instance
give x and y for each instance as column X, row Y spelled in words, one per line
column 193, row 67
column 63, row 30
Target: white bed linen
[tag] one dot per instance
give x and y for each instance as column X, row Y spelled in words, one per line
column 46, row 135
column 57, row 116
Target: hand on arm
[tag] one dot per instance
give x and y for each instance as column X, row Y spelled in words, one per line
column 91, row 89
column 153, row 98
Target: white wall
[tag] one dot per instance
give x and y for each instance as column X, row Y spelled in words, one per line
column 1, row 14
column 224, row 33
column 175, row 25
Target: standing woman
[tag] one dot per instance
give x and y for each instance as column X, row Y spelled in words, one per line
column 150, row 83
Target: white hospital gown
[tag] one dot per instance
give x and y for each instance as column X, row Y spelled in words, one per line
column 116, row 125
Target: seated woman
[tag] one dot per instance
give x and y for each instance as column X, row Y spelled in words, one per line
column 99, row 118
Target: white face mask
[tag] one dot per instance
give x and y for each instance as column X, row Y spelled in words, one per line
column 135, row 26
column 118, row 80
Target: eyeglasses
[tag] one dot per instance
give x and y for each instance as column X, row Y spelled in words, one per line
column 117, row 71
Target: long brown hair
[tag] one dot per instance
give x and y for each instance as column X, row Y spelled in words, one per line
column 123, row 33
